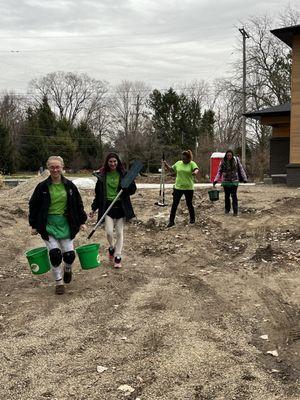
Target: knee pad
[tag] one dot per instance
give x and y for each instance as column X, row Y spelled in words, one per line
column 55, row 257
column 69, row 256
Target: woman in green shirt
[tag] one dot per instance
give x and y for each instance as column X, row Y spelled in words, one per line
column 56, row 212
column 107, row 187
column 185, row 169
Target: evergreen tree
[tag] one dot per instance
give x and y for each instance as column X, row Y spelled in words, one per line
column 7, row 153
column 63, row 145
column 207, row 124
column 176, row 119
column 167, row 115
column 34, row 145
column 191, row 121
column 46, row 119
column 45, row 136
column 89, row 150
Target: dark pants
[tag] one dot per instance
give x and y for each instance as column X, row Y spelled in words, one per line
column 231, row 191
column 177, row 194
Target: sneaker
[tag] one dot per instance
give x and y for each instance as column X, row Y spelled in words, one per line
column 111, row 252
column 192, row 221
column 170, row 224
column 59, row 289
column 67, row 275
column 118, row 262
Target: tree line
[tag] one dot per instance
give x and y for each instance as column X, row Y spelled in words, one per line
column 81, row 118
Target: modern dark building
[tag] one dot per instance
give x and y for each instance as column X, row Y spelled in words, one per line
column 278, row 118
column 285, row 119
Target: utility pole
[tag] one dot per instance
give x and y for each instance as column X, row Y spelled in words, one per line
column 196, row 147
column 245, row 36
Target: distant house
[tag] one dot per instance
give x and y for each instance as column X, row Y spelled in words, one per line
column 285, row 119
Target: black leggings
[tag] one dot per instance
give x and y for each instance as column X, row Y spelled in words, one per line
column 177, row 194
column 231, row 191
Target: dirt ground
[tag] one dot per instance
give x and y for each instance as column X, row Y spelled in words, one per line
column 182, row 320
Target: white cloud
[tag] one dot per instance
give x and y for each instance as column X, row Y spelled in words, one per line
column 154, row 41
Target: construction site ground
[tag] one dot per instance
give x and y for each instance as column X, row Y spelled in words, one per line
column 192, row 314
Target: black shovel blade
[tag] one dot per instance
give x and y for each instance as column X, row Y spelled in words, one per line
column 135, row 169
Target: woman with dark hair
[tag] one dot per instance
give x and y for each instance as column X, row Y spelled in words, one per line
column 232, row 172
column 107, row 187
column 185, row 169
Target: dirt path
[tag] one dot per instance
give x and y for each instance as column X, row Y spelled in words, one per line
column 182, row 320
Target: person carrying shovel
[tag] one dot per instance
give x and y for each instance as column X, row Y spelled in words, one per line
column 56, row 212
column 186, row 169
column 106, row 191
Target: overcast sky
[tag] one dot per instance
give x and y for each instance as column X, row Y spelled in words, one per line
column 157, row 41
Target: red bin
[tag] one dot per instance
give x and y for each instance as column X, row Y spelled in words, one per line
column 215, row 160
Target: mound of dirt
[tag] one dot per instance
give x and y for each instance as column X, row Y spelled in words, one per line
column 24, row 190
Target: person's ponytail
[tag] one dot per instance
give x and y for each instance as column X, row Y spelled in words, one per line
column 188, row 154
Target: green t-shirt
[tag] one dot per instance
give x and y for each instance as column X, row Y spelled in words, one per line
column 112, row 184
column 184, row 178
column 58, row 195
column 57, row 223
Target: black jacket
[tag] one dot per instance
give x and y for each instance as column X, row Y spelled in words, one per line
column 100, row 202
column 40, row 202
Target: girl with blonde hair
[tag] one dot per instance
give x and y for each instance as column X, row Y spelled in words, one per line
column 56, row 213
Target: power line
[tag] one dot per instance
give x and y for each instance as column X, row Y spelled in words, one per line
column 109, row 46
column 116, row 91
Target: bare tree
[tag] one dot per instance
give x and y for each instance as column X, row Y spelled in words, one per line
column 11, row 110
column 268, row 66
column 129, row 115
column 11, row 121
column 289, row 16
column 70, row 95
column 100, row 123
column 198, row 91
column 268, row 84
column 12, row 115
column 268, row 61
column 227, row 105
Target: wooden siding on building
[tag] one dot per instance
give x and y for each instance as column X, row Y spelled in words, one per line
column 281, row 130
column 295, row 104
column 275, row 120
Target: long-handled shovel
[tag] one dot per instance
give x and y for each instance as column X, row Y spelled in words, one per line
column 125, row 183
column 161, row 201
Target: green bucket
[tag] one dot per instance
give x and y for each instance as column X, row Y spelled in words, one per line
column 89, row 255
column 213, row 194
column 38, row 260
